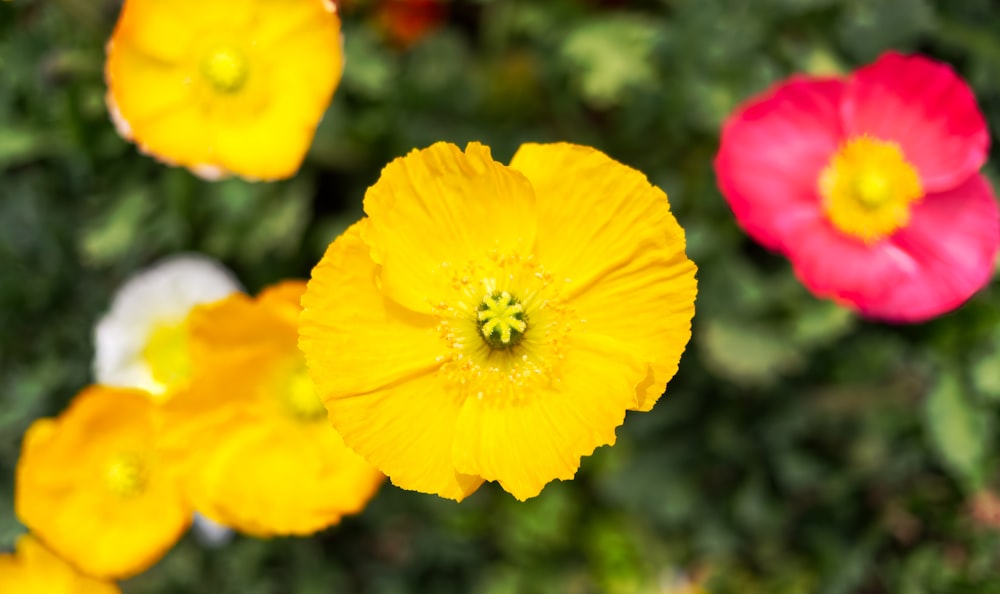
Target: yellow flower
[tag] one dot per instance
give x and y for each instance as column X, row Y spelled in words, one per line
column 142, row 341
column 250, row 434
column 495, row 322
column 32, row 569
column 224, row 87
column 91, row 486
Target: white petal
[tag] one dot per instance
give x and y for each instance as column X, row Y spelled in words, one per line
column 161, row 294
column 210, row 533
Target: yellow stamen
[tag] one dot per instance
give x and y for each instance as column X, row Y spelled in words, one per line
column 226, row 69
column 126, row 475
column 166, row 353
column 300, row 397
column 501, row 320
column 868, row 187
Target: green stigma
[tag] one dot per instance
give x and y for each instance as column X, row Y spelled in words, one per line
column 501, row 320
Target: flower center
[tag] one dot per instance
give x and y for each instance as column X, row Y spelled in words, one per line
column 166, row 353
column 868, row 187
column 126, row 475
column 225, row 68
column 501, row 320
column 300, row 398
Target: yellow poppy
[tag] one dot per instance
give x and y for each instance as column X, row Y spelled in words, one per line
column 250, row 435
column 141, row 342
column 224, row 87
column 33, row 569
column 92, row 488
column 495, row 322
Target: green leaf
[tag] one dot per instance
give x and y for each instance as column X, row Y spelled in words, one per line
column 958, row 430
column 20, row 145
column 986, row 375
column 612, row 56
column 109, row 238
column 748, row 354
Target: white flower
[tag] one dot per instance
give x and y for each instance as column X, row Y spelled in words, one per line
column 142, row 341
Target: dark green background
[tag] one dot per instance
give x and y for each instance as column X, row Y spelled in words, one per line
column 799, row 449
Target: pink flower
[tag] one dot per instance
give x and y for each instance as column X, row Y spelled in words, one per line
column 870, row 185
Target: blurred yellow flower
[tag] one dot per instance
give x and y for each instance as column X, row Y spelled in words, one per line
column 142, row 342
column 494, row 322
column 250, row 435
column 91, row 486
column 224, row 87
column 33, row 569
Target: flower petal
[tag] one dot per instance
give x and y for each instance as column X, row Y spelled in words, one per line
column 952, row 238
column 143, row 87
column 834, row 265
column 33, row 569
column 303, row 478
column 924, row 107
column 526, row 442
column 143, row 25
column 597, row 213
column 347, row 325
column 771, row 154
column 435, row 209
column 168, row 137
column 406, row 430
column 646, row 306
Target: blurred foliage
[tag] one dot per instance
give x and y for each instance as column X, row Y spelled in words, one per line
column 799, row 449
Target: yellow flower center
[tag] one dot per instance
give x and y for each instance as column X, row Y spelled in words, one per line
column 501, row 320
column 225, row 68
column 497, row 344
column 166, row 353
column 300, row 399
column 126, row 475
column 868, row 187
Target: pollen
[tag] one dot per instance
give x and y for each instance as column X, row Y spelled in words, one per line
column 502, row 321
column 226, row 69
column 868, row 188
column 126, row 475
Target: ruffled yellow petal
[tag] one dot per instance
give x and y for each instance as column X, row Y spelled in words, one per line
column 406, row 430
column 354, row 338
column 33, row 569
column 266, row 480
column 152, row 88
column 143, row 25
column 92, row 488
column 613, row 236
column 169, row 135
column 435, row 210
column 646, row 306
column 540, row 434
column 284, row 300
column 235, row 332
column 596, row 213
column 279, row 21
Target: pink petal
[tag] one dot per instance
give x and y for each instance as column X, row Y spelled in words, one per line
column 838, row 266
column 926, row 108
column 771, row 154
column 953, row 238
